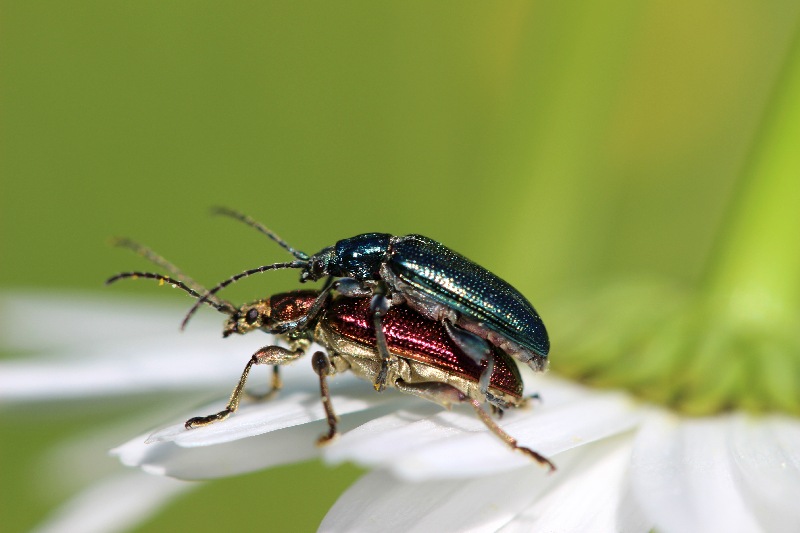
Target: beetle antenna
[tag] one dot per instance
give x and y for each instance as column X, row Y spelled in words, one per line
column 222, row 306
column 260, row 227
column 150, row 255
column 210, row 294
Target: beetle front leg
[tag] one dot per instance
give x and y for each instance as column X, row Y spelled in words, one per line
column 323, row 367
column 268, row 355
column 379, row 306
column 301, row 323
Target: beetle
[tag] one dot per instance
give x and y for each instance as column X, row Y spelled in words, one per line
column 429, row 364
column 476, row 307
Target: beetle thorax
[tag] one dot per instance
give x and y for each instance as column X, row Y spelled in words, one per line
column 361, row 257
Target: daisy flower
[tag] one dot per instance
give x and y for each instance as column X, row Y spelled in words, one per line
column 667, row 410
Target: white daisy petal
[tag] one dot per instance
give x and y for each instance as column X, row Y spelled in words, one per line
column 294, row 406
column 683, row 476
column 283, row 446
column 79, row 320
column 116, row 504
column 392, row 435
column 767, row 454
column 426, row 444
column 381, row 502
column 120, row 370
column 588, row 495
column 547, row 431
column 171, row 362
column 232, row 458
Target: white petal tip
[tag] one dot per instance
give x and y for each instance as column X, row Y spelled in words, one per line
column 167, row 434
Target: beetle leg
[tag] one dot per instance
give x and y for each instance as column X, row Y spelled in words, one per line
column 508, row 439
column 301, row 323
column 268, row 355
column 476, row 348
column 496, row 411
column 379, row 306
column 323, row 367
column 469, row 343
column 352, row 288
column 433, row 391
column 446, row 395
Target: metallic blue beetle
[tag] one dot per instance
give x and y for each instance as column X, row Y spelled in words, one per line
column 474, row 305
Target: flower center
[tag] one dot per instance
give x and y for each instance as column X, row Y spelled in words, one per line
column 696, row 356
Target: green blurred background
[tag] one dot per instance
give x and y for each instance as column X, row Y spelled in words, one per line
column 559, row 144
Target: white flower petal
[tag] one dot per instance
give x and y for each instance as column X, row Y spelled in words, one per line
column 588, row 495
column 381, row 502
column 117, row 504
column 282, row 446
column 426, row 444
column 766, row 451
column 136, row 365
column 121, row 370
column 75, row 319
column 683, row 476
column 232, row 458
column 294, row 406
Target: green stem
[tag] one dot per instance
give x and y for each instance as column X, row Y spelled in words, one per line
column 757, row 268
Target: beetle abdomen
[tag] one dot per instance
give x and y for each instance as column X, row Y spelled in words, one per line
column 453, row 280
column 412, row 336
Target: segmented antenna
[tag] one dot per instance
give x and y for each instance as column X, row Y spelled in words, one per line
column 160, row 261
column 260, row 227
column 150, row 255
column 210, row 294
column 223, row 307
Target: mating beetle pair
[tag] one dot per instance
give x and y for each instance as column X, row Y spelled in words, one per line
column 396, row 291
column 477, row 308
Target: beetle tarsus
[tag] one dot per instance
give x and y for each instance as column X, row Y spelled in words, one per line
column 539, row 458
column 200, row 421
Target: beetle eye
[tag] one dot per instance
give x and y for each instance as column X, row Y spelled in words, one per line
column 252, row 316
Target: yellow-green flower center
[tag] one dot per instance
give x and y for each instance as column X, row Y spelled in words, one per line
column 690, row 354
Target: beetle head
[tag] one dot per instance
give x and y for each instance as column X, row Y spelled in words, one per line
column 320, row 265
column 255, row 315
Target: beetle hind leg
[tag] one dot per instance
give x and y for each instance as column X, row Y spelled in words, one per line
column 441, row 393
column 446, row 395
column 268, row 355
column 508, row 439
column 477, row 349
